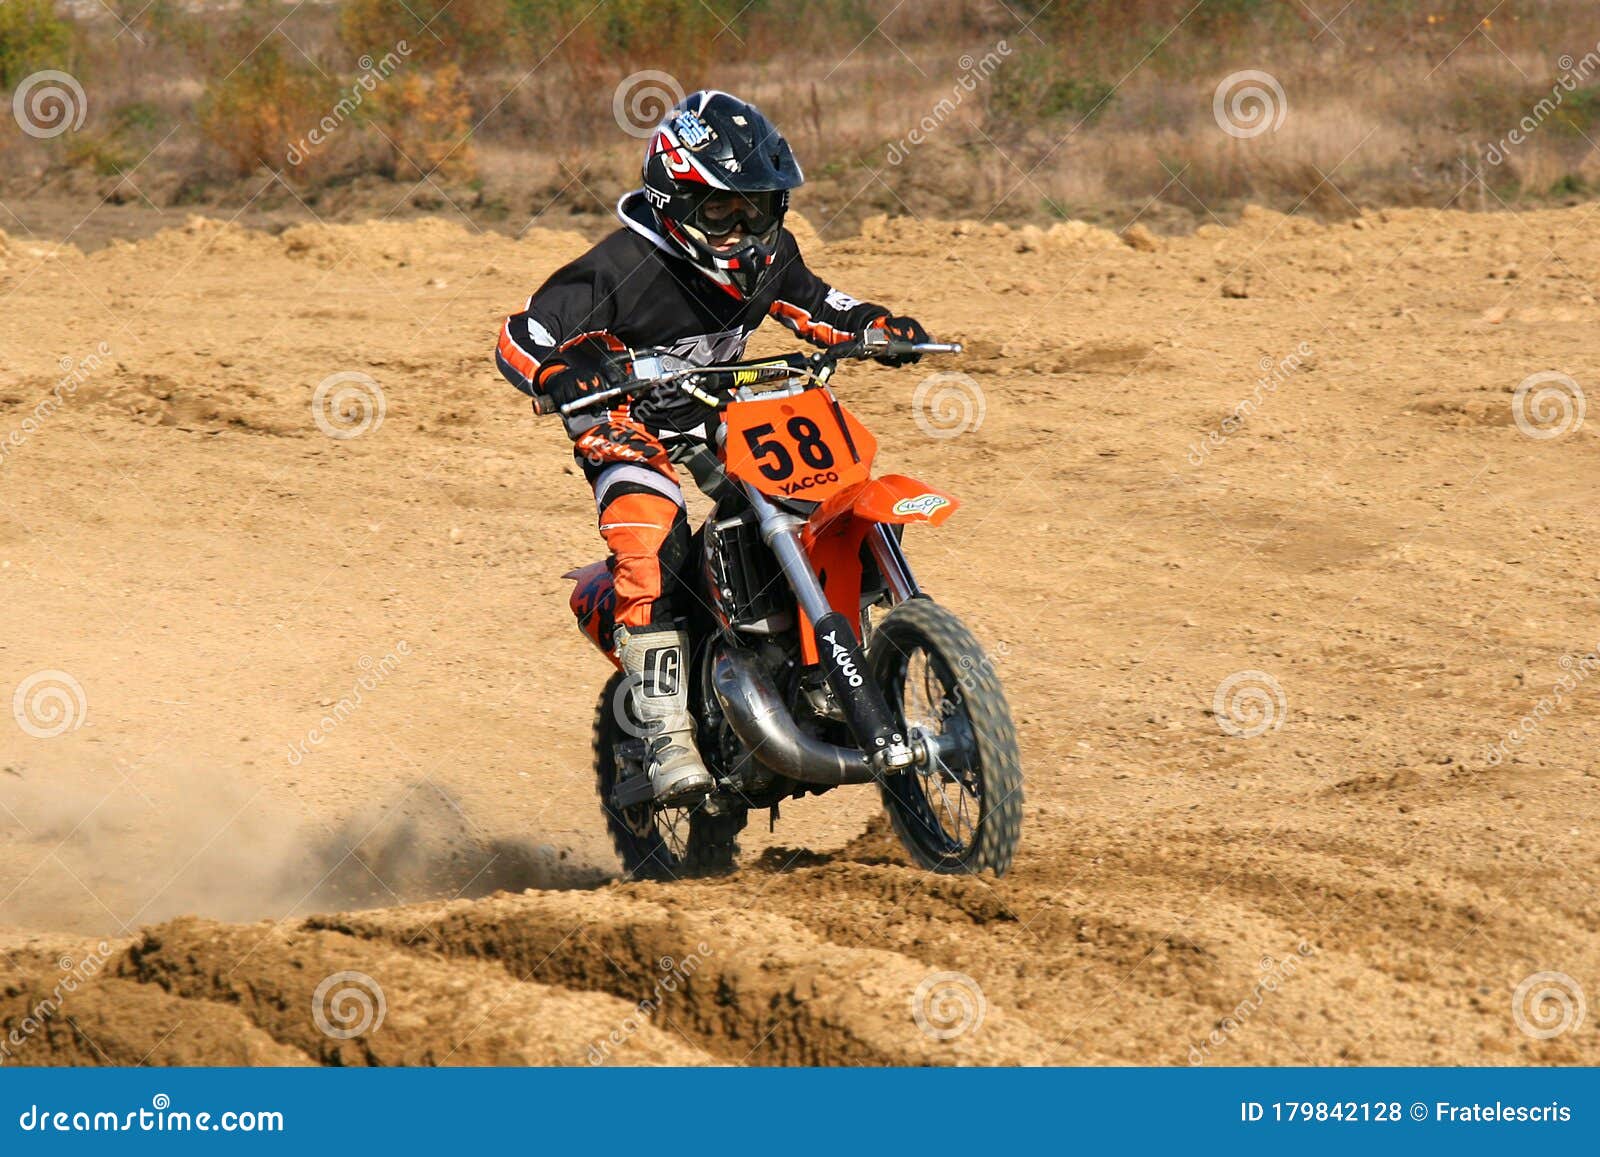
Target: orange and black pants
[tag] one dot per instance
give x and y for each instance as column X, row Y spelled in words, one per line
column 642, row 516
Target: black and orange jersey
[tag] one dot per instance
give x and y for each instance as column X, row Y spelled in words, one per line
column 633, row 287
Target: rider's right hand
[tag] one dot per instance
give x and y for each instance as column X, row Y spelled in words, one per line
column 587, row 366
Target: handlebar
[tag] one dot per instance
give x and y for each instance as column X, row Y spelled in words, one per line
column 651, row 370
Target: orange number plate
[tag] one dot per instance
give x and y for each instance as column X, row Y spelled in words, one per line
column 807, row 446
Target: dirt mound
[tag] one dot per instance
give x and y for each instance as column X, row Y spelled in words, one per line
column 1277, row 535
column 194, row 992
column 759, row 989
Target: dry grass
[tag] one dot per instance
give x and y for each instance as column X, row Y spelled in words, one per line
column 1091, row 108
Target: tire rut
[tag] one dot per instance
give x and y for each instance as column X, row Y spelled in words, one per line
column 748, row 986
column 433, row 1012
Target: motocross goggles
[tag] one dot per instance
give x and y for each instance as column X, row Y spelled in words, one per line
column 717, row 213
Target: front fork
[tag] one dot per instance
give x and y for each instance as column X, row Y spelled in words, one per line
column 844, row 663
column 892, row 563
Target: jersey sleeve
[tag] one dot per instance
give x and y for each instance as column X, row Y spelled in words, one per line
column 573, row 303
column 811, row 307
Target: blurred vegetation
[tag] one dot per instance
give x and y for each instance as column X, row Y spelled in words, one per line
column 1580, row 111
column 254, row 112
column 1035, row 88
column 509, row 94
column 433, row 30
column 32, row 37
column 426, row 120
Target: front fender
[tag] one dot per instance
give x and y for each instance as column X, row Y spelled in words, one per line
column 833, row 535
column 894, row 498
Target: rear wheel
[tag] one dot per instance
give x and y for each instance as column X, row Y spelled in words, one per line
column 962, row 810
column 655, row 843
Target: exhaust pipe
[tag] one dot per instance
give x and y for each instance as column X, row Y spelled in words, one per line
column 762, row 723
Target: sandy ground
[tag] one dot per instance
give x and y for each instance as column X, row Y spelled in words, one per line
column 295, row 675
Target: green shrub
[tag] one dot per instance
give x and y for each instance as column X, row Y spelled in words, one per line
column 32, row 37
column 119, row 146
column 1580, row 110
column 426, row 122
column 473, row 33
column 1034, row 87
column 102, row 153
column 136, row 116
column 253, row 114
column 1569, row 185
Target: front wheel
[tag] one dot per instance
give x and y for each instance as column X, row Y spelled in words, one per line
column 961, row 810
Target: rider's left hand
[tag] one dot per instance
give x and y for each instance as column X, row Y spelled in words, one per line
column 907, row 329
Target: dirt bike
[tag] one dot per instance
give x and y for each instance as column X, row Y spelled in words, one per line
column 817, row 660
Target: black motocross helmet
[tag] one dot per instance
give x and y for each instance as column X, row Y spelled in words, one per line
column 717, row 176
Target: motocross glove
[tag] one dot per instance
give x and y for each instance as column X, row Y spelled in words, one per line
column 902, row 329
column 587, row 366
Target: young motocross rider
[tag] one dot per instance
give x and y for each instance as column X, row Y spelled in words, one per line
column 701, row 259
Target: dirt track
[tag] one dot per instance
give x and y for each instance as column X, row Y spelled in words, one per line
column 1361, row 883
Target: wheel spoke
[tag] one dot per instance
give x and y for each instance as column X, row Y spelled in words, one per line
column 944, row 802
column 959, row 816
column 928, row 705
column 671, row 822
column 960, row 727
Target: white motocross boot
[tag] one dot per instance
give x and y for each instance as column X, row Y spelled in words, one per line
column 656, row 661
